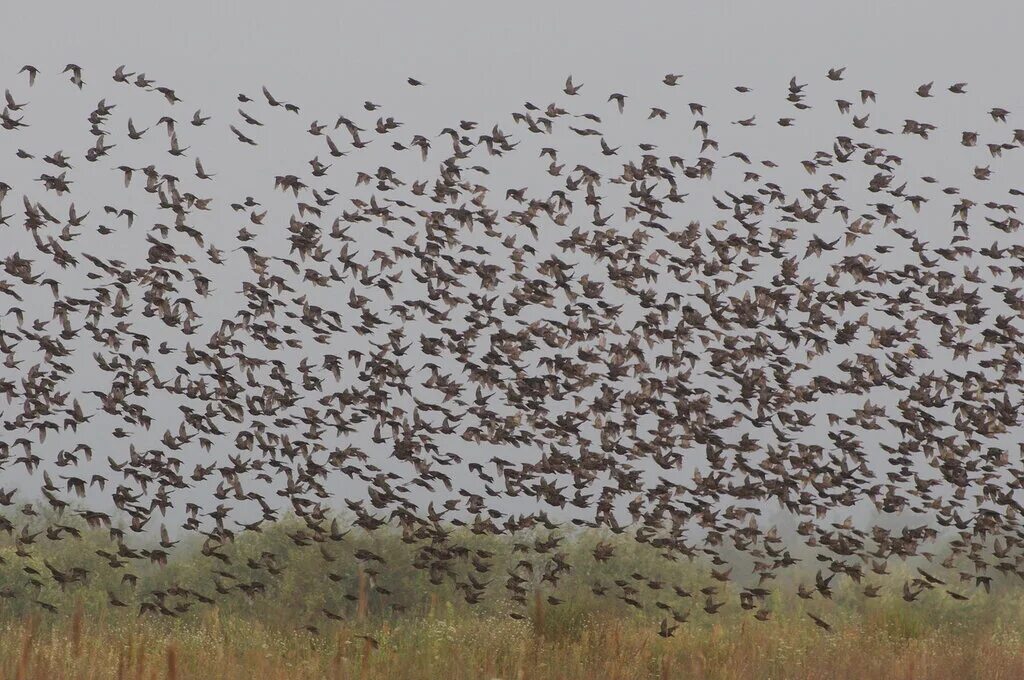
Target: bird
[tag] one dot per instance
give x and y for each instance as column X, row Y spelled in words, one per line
column 820, row 623
column 32, row 72
column 241, row 137
column 76, row 75
column 377, row 335
column 200, row 173
column 836, row 74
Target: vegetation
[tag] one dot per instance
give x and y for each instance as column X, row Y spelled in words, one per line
column 455, row 645
column 395, row 624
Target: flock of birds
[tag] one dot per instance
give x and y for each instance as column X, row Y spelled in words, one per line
column 425, row 350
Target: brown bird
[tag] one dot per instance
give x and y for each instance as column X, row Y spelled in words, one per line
column 820, row 623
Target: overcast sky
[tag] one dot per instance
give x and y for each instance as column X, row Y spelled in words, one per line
column 476, row 54
column 481, row 61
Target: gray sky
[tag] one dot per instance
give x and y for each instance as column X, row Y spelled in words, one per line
column 477, row 56
column 481, row 61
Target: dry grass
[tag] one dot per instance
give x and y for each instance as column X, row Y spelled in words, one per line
column 435, row 634
column 497, row 647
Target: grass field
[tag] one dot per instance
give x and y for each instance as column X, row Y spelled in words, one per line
column 457, row 647
column 413, row 630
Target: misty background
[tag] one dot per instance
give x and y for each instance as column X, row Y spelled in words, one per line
column 479, row 62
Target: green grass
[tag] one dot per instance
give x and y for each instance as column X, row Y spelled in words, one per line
column 425, row 631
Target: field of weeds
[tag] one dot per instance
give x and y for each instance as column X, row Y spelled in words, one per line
column 453, row 645
column 417, row 630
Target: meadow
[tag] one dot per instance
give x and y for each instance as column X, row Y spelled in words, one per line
column 415, row 630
